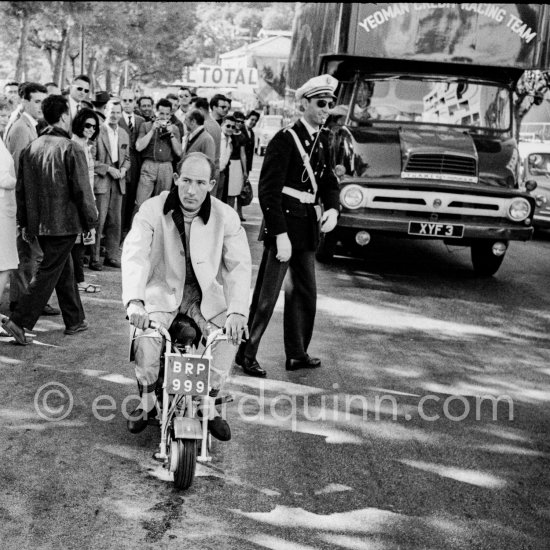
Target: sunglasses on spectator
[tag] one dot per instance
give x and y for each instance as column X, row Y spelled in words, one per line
column 322, row 103
column 230, row 126
column 81, row 89
column 127, row 101
column 89, row 125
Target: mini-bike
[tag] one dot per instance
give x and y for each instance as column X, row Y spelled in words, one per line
column 185, row 377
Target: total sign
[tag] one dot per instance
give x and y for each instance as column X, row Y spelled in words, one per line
column 224, row 77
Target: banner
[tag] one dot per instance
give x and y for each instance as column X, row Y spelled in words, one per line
column 212, row 76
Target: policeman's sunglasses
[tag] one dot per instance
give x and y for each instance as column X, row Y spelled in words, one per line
column 81, row 89
column 230, row 126
column 322, row 103
column 89, row 125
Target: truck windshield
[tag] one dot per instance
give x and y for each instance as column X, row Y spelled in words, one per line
column 431, row 101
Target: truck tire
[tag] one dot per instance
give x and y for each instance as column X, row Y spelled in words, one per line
column 484, row 261
column 326, row 248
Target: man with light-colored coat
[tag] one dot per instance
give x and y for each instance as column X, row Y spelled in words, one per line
column 186, row 253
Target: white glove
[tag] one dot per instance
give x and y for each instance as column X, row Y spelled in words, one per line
column 329, row 220
column 284, row 248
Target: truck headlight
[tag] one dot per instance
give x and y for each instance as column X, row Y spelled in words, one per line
column 351, row 196
column 519, row 210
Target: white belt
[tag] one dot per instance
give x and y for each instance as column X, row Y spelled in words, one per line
column 302, row 196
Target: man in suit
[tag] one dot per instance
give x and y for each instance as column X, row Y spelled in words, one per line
column 53, row 206
column 14, row 92
column 248, row 132
column 112, row 162
column 289, row 190
column 131, row 123
column 79, row 90
column 23, row 131
column 197, row 139
column 186, row 253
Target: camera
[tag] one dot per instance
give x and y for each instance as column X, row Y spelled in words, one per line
column 163, row 131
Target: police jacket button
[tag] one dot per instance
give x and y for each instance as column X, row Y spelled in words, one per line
column 287, row 211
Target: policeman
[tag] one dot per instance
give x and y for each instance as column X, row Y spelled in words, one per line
column 296, row 179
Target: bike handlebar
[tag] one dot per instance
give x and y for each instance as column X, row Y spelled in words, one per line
column 218, row 334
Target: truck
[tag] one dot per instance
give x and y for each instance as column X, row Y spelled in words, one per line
column 422, row 133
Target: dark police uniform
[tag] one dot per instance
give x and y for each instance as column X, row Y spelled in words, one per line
column 283, row 167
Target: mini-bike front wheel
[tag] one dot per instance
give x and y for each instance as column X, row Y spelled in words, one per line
column 184, row 454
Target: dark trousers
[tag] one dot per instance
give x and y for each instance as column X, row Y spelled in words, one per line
column 55, row 272
column 300, row 302
column 129, row 199
column 223, row 182
column 77, row 254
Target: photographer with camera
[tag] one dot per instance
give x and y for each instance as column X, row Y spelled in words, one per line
column 159, row 142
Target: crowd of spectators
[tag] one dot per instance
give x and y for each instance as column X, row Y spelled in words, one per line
column 131, row 146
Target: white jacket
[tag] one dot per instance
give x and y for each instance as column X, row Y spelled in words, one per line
column 153, row 259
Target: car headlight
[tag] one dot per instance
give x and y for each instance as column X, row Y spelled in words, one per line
column 352, row 196
column 519, row 210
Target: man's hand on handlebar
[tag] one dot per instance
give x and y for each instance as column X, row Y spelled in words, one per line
column 137, row 315
column 234, row 327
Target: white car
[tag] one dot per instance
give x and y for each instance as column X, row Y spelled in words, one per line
column 535, row 165
column 266, row 128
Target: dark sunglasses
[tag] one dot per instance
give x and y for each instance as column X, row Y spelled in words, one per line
column 230, row 126
column 322, row 103
column 127, row 101
column 89, row 126
column 80, row 89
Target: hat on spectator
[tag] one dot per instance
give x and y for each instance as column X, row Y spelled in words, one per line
column 324, row 85
column 101, row 98
column 87, row 104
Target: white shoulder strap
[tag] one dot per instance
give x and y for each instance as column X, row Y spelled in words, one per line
column 305, row 159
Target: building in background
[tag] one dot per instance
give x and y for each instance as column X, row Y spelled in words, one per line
column 269, row 56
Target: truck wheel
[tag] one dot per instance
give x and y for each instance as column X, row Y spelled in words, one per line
column 326, row 248
column 484, row 261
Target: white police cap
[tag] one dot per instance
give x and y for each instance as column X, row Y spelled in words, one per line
column 319, row 85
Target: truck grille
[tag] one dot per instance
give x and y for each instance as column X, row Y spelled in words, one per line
column 442, row 164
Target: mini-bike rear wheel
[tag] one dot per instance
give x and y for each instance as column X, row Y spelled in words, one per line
column 185, row 455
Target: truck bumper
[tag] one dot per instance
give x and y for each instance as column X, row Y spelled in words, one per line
column 399, row 226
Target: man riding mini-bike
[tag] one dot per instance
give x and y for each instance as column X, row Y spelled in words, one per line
column 187, row 254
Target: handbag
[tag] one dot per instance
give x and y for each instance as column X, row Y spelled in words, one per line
column 247, row 194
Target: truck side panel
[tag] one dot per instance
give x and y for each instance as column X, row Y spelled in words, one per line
column 483, row 34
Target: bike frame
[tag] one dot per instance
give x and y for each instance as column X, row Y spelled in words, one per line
column 190, row 427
